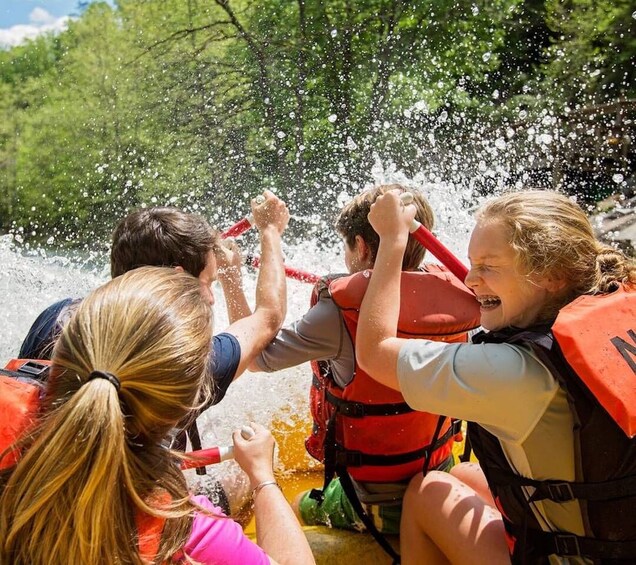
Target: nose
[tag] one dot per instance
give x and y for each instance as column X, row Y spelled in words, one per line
column 472, row 278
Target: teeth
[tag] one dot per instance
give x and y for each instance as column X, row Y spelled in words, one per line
column 488, row 300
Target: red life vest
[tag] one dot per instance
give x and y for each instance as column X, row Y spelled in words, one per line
column 367, row 427
column 591, row 352
column 21, row 387
column 597, row 335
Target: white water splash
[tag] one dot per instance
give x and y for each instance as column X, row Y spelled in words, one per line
column 29, row 284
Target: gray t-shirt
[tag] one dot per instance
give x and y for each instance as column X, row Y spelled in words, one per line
column 319, row 335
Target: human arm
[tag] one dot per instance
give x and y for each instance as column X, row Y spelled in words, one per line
column 255, row 331
column 377, row 346
column 319, row 335
column 278, row 531
column 229, row 261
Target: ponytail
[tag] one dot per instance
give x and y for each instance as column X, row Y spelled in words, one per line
column 69, row 492
column 612, row 269
column 96, row 461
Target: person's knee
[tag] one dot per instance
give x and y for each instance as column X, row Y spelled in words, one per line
column 466, row 468
column 422, row 490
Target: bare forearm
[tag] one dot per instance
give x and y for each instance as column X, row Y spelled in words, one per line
column 277, row 529
column 271, row 287
column 236, row 302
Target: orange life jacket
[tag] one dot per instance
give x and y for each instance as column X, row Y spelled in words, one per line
column 367, row 427
column 21, row 387
column 597, row 335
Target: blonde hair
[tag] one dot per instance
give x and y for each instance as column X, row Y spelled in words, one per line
column 352, row 221
column 552, row 237
column 97, row 459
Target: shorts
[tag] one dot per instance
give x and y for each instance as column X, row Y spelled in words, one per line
column 336, row 510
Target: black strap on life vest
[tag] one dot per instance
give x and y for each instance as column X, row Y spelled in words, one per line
column 330, row 449
column 351, row 458
column 563, row 491
column 29, row 372
column 360, row 410
column 468, row 449
column 195, row 441
column 350, row 491
column 570, row 545
column 429, row 453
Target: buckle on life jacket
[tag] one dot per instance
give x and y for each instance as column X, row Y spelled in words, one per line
column 318, row 495
column 33, row 368
column 352, row 409
column 567, row 545
column 560, row 492
column 349, row 458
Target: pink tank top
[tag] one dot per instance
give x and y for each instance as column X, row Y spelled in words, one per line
column 220, row 540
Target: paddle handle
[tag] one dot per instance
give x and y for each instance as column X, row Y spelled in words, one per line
column 434, row 245
column 239, row 227
column 209, row 456
column 213, row 455
column 242, row 225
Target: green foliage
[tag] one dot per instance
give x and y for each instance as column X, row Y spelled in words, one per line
column 201, row 104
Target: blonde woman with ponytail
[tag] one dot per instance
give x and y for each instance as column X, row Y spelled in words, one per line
column 548, row 390
column 95, row 483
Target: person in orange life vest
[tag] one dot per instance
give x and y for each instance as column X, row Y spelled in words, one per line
column 164, row 236
column 95, row 482
column 327, row 333
column 560, row 470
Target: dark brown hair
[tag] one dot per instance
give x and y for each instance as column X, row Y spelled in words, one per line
column 161, row 237
column 352, row 221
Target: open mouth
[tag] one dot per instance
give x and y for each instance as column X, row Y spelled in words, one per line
column 488, row 302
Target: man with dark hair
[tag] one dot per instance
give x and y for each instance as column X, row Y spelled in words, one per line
column 164, row 236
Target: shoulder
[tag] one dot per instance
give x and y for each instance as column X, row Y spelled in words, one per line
column 225, row 357
column 41, row 337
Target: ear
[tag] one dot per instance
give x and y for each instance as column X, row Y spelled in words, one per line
column 179, row 269
column 363, row 252
column 553, row 284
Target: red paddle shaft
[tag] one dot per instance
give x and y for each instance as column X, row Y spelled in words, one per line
column 209, row 456
column 238, row 228
column 434, row 245
column 245, row 224
column 214, row 455
column 290, row 272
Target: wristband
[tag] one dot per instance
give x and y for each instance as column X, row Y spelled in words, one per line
column 262, row 485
